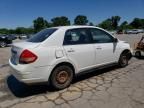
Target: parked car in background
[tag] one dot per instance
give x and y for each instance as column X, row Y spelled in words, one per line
column 5, row 40
column 134, row 31
column 55, row 55
column 141, row 30
column 12, row 36
column 120, row 32
column 23, row 37
column 112, row 32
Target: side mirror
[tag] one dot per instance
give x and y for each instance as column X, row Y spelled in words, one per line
column 115, row 40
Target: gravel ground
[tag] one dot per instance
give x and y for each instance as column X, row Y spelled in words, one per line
column 107, row 88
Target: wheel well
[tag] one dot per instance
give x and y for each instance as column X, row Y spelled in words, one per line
column 128, row 52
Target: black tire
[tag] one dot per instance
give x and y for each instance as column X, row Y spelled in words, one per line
column 3, row 44
column 61, row 77
column 138, row 54
column 123, row 60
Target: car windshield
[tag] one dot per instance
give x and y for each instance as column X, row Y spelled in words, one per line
column 42, row 35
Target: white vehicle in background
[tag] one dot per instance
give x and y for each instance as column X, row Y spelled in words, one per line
column 134, row 31
column 23, row 37
column 141, row 30
column 56, row 55
column 112, row 32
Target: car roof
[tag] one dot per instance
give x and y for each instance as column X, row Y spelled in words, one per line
column 75, row 26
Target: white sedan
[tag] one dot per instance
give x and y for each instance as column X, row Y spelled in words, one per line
column 56, row 55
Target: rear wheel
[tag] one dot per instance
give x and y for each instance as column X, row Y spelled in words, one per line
column 123, row 60
column 3, row 44
column 61, row 77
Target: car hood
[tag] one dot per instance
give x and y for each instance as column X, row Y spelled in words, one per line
column 124, row 42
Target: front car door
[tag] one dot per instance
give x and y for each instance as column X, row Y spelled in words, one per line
column 105, row 47
column 78, row 47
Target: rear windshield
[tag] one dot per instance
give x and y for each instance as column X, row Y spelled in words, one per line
column 42, row 35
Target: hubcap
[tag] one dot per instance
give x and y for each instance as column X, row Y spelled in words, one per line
column 62, row 77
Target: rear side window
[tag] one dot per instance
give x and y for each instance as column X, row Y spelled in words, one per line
column 77, row 36
column 42, row 35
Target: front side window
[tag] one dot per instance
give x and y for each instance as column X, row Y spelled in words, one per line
column 42, row 35
column 76, row 36
column 100, row 36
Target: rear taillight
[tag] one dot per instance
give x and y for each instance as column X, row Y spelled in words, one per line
column 27, row 57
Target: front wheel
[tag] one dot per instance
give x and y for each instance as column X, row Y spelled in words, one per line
column 123, row 60
column 61, row 77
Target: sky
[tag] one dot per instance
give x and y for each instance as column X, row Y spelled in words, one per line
column 14, row 13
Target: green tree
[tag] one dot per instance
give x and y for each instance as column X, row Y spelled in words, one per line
column 115, row 20
column 4, row 31
column 11, row 31
column 80, row 20
column 40, row 23
column 137, row 23
column 22, row 30
column 124, row 25
column 29, row 30
column 19, row 30
column 106, row 24
column 60, row 21
column 91, row 24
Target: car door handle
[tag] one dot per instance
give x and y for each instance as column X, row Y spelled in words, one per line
column 71, row 50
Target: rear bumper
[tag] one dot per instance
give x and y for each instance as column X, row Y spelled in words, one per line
column 35, row 75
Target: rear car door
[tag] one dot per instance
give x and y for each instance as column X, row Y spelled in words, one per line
column 105, row 47
column 78, row 47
